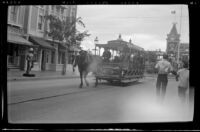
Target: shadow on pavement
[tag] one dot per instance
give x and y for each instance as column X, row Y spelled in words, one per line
column 120, row 84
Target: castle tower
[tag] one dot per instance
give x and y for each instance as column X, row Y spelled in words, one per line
column 173, row 39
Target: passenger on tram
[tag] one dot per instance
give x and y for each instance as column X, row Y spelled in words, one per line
column 116, row 59
column 106, row 55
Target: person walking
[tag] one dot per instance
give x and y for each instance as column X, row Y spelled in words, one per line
column 29, row 59
column 164, row 67
column 183, row 78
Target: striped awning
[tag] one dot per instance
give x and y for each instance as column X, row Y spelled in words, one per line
column 41, row 42
column 18, row 39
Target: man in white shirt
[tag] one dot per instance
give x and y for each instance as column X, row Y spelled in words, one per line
column 164, row 67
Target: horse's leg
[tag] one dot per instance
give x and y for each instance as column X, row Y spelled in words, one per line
column 85, row 75
column 81, row 77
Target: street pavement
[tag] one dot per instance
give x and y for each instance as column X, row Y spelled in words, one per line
column 40, row 75
column 62, row 101
column 46, row 75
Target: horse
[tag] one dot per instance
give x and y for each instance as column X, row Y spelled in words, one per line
column 86, row 63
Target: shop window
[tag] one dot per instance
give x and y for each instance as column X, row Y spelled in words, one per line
column 47, row 57
column 17, row 51
column 59, row 57
column 63, row 57
column 53, row 57
column 35, row 57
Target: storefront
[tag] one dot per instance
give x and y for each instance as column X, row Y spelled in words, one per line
column 50, row 55
column 17, row 49
column 44, row 59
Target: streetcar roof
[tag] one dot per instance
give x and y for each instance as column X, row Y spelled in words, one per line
column 120, row 45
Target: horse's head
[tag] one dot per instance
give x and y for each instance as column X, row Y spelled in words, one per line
column 83, row 58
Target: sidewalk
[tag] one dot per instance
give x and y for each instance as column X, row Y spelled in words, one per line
column 43, row 75
column 18, row 75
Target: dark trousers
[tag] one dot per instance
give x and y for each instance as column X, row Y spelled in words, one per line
column 161, row 85
column 182, row 93
column 191, row 94
column 191, row 98
column 29, row 66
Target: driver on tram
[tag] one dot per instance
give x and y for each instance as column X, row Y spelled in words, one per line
column 106, row 55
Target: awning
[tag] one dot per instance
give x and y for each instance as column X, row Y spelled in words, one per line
column 41, row 42
column 17, row 39
column 62, row 46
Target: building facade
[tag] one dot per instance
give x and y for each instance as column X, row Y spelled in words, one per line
column 49, row 54
column 173, row 39
column 17, row 40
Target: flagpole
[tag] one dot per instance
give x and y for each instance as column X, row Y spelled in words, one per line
column 179, row 40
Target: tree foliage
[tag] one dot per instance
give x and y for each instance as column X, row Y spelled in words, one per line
column 151, row 56
column 66, row 29
column 55, row 28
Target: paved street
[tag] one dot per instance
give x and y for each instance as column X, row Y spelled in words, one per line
column 61, row 101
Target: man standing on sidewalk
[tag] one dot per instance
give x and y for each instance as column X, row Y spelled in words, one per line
column 164, row 67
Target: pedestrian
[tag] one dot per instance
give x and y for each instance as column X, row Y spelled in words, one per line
column 183, row 78
column 164, row 67
column 29, row 59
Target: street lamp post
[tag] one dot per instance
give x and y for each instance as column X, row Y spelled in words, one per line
column 179, row 40
column 95, row 42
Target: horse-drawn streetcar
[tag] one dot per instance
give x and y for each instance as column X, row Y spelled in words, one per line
column 126, row 62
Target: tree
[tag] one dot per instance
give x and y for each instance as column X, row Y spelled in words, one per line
column 66, row 29
column 151, row 56
column 151, row 59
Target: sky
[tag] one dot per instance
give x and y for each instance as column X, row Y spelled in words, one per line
column 146, row 25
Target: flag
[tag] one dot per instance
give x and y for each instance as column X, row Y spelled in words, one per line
column 173, row 12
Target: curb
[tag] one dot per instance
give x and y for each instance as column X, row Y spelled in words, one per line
column 41, row 78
